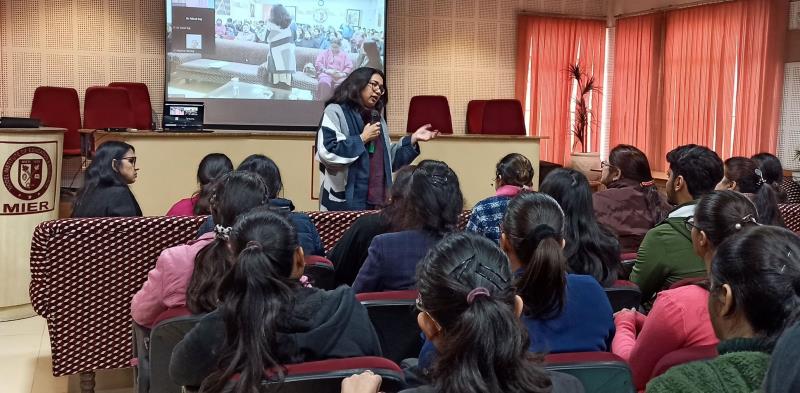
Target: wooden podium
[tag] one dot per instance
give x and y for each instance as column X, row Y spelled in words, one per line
column 30, row 159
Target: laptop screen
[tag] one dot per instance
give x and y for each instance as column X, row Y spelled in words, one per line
column 183, row 116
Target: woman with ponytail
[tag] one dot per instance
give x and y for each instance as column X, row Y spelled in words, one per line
column 266, row 318
column 754, row 296
column 591, row 248
column 470, row 313
column 631, row 204
column 211, row 167
column 772, row 169
column 190, row 273
column 744, row 175
column 679, row 317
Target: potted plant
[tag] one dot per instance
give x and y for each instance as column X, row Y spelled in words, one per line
column 581, row 158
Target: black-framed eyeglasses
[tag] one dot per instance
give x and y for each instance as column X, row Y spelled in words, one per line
column 689, row 222
column 377, row 87
column 132, row 160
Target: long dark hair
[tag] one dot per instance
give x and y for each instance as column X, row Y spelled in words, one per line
column 514, row 169
column 750, row 180
column 254, row 294
column 101, row 172
column 718, row 213
column 591, row 248
column 263, row 166
column 762, row 267
column 211, row 167
column 533, row 225
column 772, row 169
column 633, row 165
column 234, row 193
column 280, row 16
column 349, row 92
column 484, row 347
column 393, row 213
column 434, row 199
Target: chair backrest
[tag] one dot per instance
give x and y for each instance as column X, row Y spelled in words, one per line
column 599, row 372
column 163, row 339
column 140, row 101
column 429, row 109
column 624, row 294
column 320, row 272
column 394, row 317
column 791, row 215
column 59, row 107
column 503, row 117
column 107, row 107
column 683, row 355
column 792, row 190
column 475, row 116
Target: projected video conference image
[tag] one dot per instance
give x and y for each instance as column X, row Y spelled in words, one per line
column 292, row 50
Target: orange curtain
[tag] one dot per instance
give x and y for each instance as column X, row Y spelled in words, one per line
column 720, row 85
column 546, row 46
column 636, row 114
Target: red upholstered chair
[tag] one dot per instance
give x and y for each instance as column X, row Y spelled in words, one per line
column 687, row 281
column 475, row 116
column 429, row 109
column 597, row 371
column 59, row 107
column 394, row 316
column 107, row 107
column 624, row 294
column 320, row 272
column 684, row 355
column 503, row 117
column 790, row 212
column 140, row 100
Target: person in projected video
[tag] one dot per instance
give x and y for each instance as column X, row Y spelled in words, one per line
column 356, row 156
column 282, row 62
column 333, row 65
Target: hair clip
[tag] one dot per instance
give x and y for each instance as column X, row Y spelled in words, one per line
column 439, row 180
column 479, row 291
column 253, row 245
column 784, row 266
column 760, row 175
column 221, row 232
column 649, row 183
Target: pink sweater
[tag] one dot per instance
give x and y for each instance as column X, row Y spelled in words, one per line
column 184, row 207
column 679, row 319
column 166, row 284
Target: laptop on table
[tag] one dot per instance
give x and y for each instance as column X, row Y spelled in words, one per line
column 183, row 117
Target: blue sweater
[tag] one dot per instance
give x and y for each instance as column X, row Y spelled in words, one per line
column 586, row 324
column 392, row 259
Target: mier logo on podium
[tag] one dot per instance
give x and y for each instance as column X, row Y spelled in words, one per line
column 27, row 176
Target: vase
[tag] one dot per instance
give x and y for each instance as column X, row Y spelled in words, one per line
column 586, row 163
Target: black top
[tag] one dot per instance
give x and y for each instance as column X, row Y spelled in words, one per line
column 350, row 251
column 320, row 325
column 108, row 201
column 562, row 383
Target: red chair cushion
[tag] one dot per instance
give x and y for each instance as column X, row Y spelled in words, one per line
column 140, row 102
column 475, row 116
column 172, row 313
column 107, row 107
column 684, row 355
column 429, row 109
column 581, row 357
column 323, row 366
column 624, row 284
column 59, row 107
column 503, row 117
column 317, row 260
column 409, row 294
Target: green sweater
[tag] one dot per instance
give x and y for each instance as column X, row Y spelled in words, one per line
column 666, row 255
column 741, row 367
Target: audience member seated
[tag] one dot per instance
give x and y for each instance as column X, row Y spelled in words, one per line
column 266, row 318
column 743, row 175
column 783, row 375
column 333, row 66
column 211, row 167
column 350, row 252
column 105, row 191
column 513, row 174
column 189, row 274
column 666, row 256
column 369, row 56
column 269, row 172
column 753, row 299
column 772, row 170
column 591, row 249
column 434, row 202
column 679, row 318
column 631, row 205
column 470, row 313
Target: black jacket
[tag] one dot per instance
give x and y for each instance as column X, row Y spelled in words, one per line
column 321, row 325
column 108, row 201
column 307, row 234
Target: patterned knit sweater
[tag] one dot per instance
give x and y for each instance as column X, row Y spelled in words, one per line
column 741, row 367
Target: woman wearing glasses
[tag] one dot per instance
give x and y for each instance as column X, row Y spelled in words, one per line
column 631, row 204
column 105, row 191
column 353, row 147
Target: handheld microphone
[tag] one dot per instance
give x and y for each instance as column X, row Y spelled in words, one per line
column 375, row 117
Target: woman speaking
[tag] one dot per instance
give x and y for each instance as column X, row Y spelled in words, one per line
column 353, row 147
